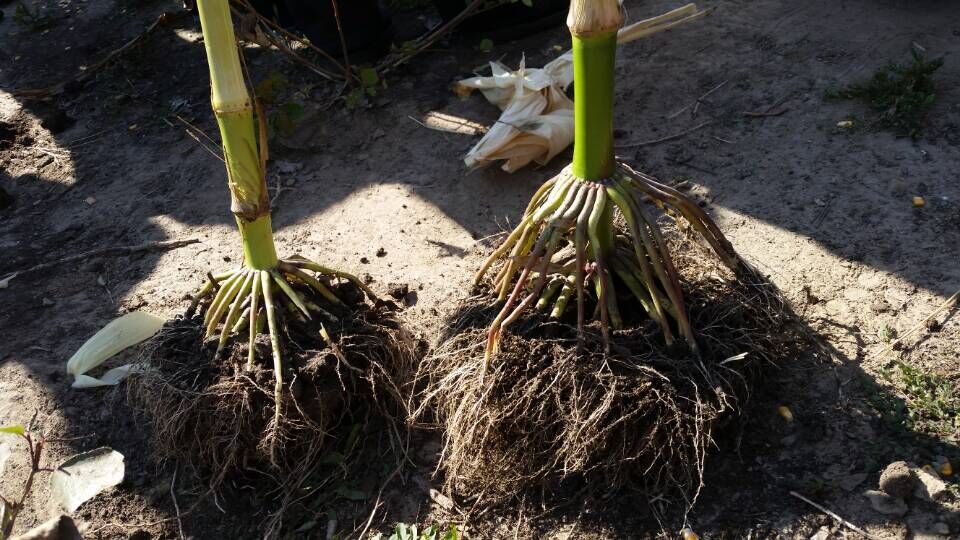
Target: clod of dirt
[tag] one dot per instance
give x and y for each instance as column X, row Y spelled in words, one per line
column 398, row 290
column 929, row 487
column 381, row 252
column 885, row 504
column 551, row 411
column 897, row 480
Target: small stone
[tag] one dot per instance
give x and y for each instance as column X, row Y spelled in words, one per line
column 381, row 252
column 880, row 306
column 785, row 413
column 364, row 260
column 90, row 200
column 885, row 504
column 929, row 487
column 47, row 302
column 897, row 480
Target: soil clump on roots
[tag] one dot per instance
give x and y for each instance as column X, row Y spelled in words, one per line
column 553, row 413
column 212, row 414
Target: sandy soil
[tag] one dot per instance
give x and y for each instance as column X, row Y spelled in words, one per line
column 825, row 212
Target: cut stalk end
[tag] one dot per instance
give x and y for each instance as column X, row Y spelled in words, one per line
column 593, row 17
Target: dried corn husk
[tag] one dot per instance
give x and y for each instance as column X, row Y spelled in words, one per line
column 116, row 336
column 537, row 119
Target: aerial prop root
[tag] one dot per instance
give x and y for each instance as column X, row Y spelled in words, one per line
column 247, row 299
column 567, row 243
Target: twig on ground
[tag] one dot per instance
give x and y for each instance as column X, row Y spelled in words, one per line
column 696, row 104
column 945, row 306
column 832, row 514
column 667, row 138
column 163, row 245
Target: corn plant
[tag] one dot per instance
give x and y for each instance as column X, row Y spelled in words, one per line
column 567, row 242
column 245, row 296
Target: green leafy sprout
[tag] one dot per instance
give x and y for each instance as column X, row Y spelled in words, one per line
column 900, row 93
column 403, row 531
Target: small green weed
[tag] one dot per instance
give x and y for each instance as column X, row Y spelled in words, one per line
column 282, row 114
column 931, row 401
column 403, row 531
column 359, row 96
column 888, row 333
column 900, row 93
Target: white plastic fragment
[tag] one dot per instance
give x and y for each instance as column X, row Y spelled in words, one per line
column 116, row 336
column 537, row 119
column 85, row 475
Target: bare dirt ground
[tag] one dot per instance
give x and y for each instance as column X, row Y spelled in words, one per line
column 826, row 212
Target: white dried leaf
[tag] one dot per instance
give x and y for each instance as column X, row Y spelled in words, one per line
column 85, row 475
column 537, row 119
column 116, row 336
